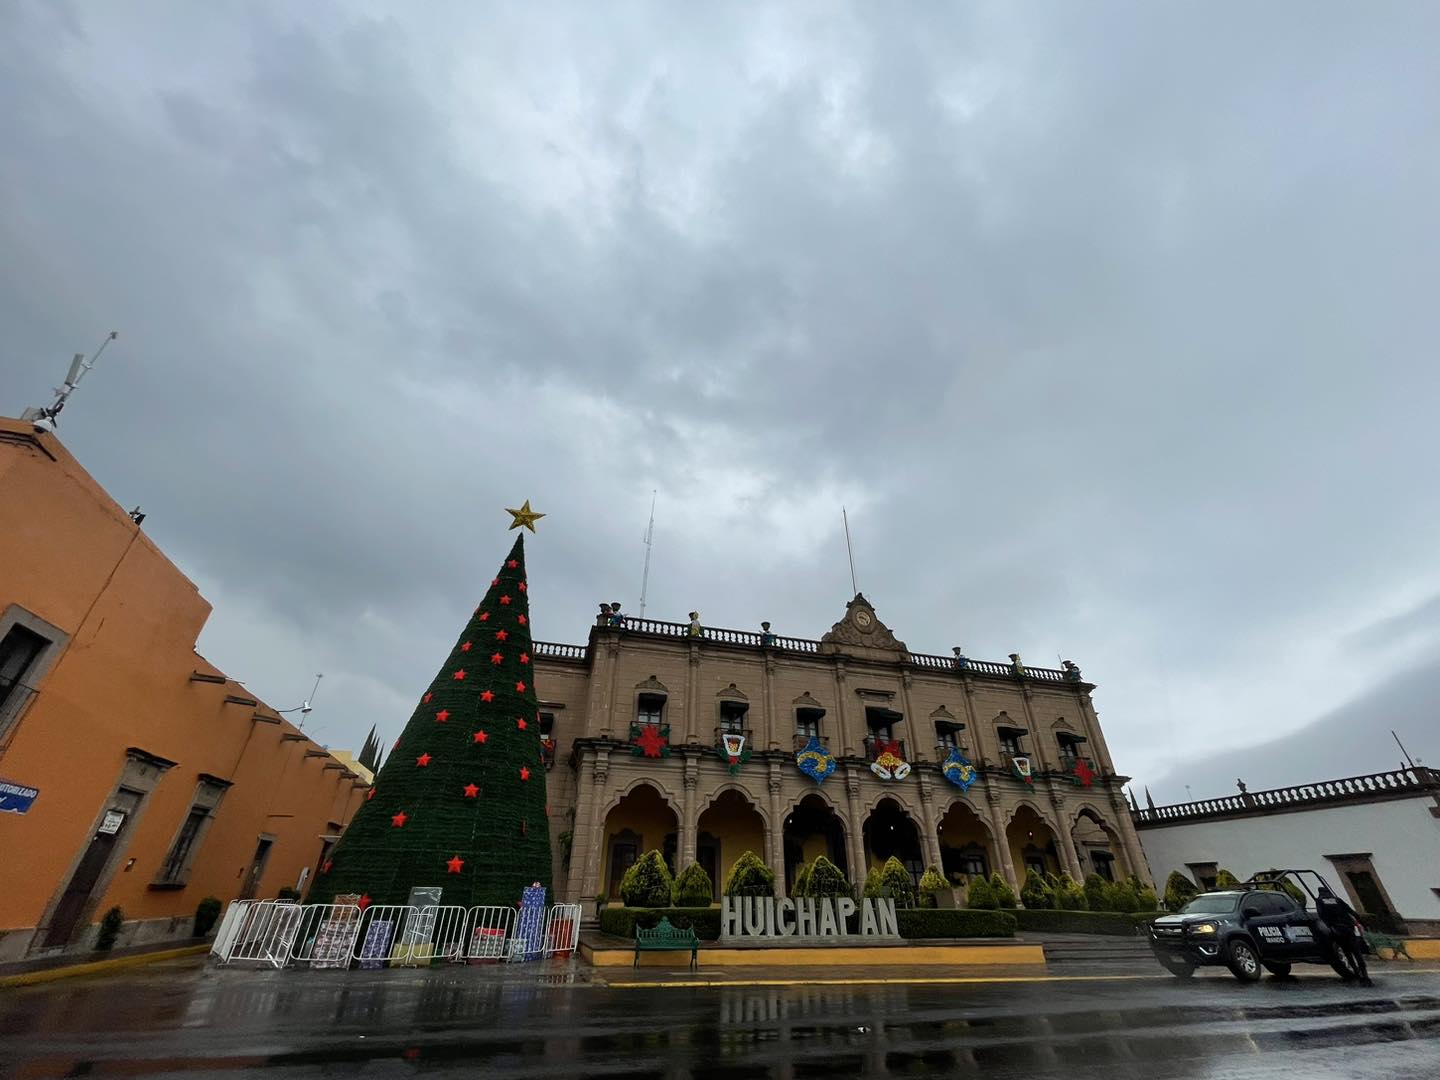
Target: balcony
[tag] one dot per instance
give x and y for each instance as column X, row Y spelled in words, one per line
column 547, row 751
column 801, row 739
column 730, row 729
column 873, row 744
column 1069, row 761
column 942, row 751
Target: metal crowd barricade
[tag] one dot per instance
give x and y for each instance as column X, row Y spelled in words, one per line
column 562, row 929
column 433, row 933
column 490, row 930
column 381, row 926
column 325, row 936
column 265, row 933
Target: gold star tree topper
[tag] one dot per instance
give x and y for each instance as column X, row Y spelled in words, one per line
column 524, row 516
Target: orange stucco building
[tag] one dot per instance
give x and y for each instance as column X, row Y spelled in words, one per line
column 133, row 773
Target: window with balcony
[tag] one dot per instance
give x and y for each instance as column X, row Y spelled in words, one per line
column 650, row 709
column 807, row 722
column 1010, row 742
column 1070, row 749
column 732, row 717
column 947, row 736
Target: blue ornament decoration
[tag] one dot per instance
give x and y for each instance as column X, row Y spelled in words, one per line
column 815, row 761
column 958, row 770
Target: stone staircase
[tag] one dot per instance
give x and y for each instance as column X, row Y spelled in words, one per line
column 1093, row 949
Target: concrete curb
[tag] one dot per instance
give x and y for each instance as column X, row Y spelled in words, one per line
column 99, row 967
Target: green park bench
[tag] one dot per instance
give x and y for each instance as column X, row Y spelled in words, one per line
column 666, row 938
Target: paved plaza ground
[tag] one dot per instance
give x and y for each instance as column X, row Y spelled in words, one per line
column 1116, row 1018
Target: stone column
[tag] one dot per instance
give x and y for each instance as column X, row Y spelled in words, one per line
column 775, row 841
column 1103, row 764
column 1038, row 751
column 692, row 696
column 689, row 812
column 594, row 842
column 581, row 828
column 842, row 741
column 1064, row 840
column 855, row 826
column 929, row 837
column 972, row 725
column 1130, row 838
column 768, row 733
column 1002, row 841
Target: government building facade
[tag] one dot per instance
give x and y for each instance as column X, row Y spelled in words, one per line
column 704, row 743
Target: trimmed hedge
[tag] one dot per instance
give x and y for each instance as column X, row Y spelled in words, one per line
column 621, row 922
column 954, row 923
column 1116, row 923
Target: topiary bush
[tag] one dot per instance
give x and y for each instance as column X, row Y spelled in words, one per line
column 1224, row 879
column 1146, row 898
column 109, row 929
column 873, row 886
column 1122, row 896
column 750, row 877
column 1004, row 894
column 932, row 884
column 981, row 896
column 693, row 888
column 954, row 923
column 621, row 922
column 1097, row 893
column 207, row 914
column 827, row 879
column 802, row 881
column 1069, row 896
column 647, row 884
column 1179, row 891
column 1035, row 892
column 895, row 881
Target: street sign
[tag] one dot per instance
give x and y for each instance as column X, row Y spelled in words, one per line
column 16, row 798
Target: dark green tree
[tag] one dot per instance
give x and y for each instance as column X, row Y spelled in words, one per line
column 896, row 883
column 1035, row 891
column 648, row 883
column 980, row 894
column 460, row 803
column 826, row 879
column 1004, row 894
column 692, row 887
column 1179, row 891
column 750, row 877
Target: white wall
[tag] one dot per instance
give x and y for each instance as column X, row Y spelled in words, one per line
column 1401, row 836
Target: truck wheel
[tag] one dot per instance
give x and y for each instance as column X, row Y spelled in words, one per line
column 1278, row 968
column 1181, row 969
column 1242, row 960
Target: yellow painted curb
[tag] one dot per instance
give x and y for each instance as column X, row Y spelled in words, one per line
column 1423, row 948
column 978, row 955
column 921, row 980
column 99, row 967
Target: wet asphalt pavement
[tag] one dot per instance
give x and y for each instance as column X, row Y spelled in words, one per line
column 180, row 1020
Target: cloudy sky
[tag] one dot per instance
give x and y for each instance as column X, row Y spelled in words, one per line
column 1113, row 325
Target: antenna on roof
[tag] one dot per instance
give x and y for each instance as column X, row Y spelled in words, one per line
column 649, row 542
column 1400, row 744
column 849, row 550
column 44, row 418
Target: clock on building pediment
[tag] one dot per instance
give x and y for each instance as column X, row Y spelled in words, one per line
column 860, row 632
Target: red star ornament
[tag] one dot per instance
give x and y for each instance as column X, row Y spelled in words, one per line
column 326, row 868
column 501, row 635
column 524, row 773
column 487, row 695
column 423, row 760
column 455, row 864
column 426, row 699
column 520, row 619
column 494, row 581
column 397, row 821
column 496, row 658
column 442, row 716
column 519, row 687
column 505, row 600
column 524, row 657
column 363, row 902
column 471, row 791
column 522, row 586
column 520, row 722
column 465, row 647
column 485, row 616
column 513, row 564
column 370, row 794
column 459, row 676
column 480, row 736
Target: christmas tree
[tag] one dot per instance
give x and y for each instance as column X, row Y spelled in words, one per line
column 460, row 802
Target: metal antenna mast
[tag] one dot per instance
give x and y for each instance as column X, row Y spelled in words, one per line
column 44, row 418
column 649, row 542
column 1408, row 760
column 849, row 550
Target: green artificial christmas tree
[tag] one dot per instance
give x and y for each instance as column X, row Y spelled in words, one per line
column 460, row 803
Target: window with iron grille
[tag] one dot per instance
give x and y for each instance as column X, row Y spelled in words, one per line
column 650, row 709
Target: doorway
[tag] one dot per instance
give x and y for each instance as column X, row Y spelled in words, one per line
column 81, row 892
column 257, row 867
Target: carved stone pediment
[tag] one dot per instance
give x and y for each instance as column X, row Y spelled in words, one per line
column 805, row 701
column 730, row 693
column 652, row 685
column 943, row 714
column 861, row 633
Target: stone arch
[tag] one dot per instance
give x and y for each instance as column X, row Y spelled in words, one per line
column 729, row 825
column 891, row 790
column 1098, row 844
column 893, row 830
column 1025, row 803
column 665, row 793
column 813, row 826
column 748, row 793
column 640, row 818
column 1032, row 841
column 967, row 842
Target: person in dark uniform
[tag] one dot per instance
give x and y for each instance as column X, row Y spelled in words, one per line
column 1345, row 932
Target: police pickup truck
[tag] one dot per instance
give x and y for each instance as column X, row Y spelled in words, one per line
column 1253, row 927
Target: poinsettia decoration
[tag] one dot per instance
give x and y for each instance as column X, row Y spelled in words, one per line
column 650, row 740
column 1084, row 775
